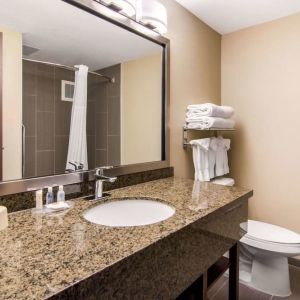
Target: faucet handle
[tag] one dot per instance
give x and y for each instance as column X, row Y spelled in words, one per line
column 99, row 171
column 77, row 166
column 106, row 167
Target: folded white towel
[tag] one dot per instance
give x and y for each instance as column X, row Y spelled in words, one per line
column 209, row 122
column 224, row 181
column 210, row 110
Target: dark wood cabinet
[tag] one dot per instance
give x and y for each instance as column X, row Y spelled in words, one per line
column 198, row 290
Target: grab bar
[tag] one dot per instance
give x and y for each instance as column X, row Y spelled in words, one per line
column 23, row 149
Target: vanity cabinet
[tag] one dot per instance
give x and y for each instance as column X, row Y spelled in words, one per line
column 227, row 221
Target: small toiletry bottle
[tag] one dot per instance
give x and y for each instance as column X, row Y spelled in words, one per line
column 39, row 200
column 3, row 217
column 49, row 195
column 60, row 194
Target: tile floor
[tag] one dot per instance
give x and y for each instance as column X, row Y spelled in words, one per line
column 219, row 290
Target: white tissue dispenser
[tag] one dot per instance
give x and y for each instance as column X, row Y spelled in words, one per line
column 3, row 217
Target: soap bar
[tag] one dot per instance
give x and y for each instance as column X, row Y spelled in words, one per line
column 58, row 205
column 3, row 217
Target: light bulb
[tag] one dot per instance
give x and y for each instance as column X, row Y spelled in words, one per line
column 153, row 14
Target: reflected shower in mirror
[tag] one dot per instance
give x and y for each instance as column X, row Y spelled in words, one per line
column 78, row 93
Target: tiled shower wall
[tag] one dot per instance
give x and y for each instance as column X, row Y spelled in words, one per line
column 108, row 120
column 47, row 119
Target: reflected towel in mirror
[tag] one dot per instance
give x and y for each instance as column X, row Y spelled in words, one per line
column 77, row 150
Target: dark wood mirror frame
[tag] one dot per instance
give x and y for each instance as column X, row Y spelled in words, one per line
column 101, row 11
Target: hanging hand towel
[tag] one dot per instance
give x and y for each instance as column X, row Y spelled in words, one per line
column 212, row 153
column 210, row 110
column 77, row 150
column 209, row 122
column 196, row 162
column 200, row 158
column 221, row 156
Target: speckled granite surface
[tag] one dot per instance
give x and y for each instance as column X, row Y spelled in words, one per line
column 21, row 201
column 65, row 257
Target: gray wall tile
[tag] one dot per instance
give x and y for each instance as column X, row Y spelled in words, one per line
column 30, row 163
column 63, row 109
column 45, row 163
column 101, row 158
column 63, row 118
column 101, row 130
column 29, row 78
column 114, row 116
column 91, row 151
column 29, row 115
column 113, row 150
column 100, row 96
column 90, row 120
column 45, row 131
column 113, row 89
column 45, row 88
column 61, row 152
column 59, row 75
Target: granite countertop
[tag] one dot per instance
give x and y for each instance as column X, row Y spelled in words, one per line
column 41, row 255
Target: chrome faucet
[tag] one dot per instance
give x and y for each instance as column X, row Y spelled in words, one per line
column 100, row 178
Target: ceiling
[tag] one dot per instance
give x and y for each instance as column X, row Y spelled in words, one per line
column 67, row 35
column 226, row 16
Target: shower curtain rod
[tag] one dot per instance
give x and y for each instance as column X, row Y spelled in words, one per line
column 111, row 79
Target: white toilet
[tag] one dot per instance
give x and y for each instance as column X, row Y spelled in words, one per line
column 264, row 252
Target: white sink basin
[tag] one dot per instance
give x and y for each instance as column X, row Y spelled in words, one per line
column 129, row 212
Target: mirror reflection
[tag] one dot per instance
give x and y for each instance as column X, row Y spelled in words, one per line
column 77, row 92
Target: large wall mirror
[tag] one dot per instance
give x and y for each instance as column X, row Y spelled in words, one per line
column 78, row 91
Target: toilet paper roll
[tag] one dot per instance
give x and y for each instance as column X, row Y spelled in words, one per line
column 3, row 217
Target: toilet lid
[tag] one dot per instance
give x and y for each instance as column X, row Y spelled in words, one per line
column 271, row 233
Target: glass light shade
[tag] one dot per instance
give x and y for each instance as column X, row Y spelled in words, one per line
column 153, row 14
column 127, row 7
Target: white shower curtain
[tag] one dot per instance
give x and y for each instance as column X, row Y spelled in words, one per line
column 77, row 151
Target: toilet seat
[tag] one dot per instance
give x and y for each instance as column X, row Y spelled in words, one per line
column 270, row 237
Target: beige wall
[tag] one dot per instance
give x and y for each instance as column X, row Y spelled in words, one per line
column 12, row 104
column 261, row 79
column 195, row 75
column 140, row 110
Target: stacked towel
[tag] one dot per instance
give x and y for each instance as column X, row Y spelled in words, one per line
column 209, row 115
column 210, row 110
column 209, row 122
column 210, row 157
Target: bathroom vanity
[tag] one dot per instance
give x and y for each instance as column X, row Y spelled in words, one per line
column 63, row 256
